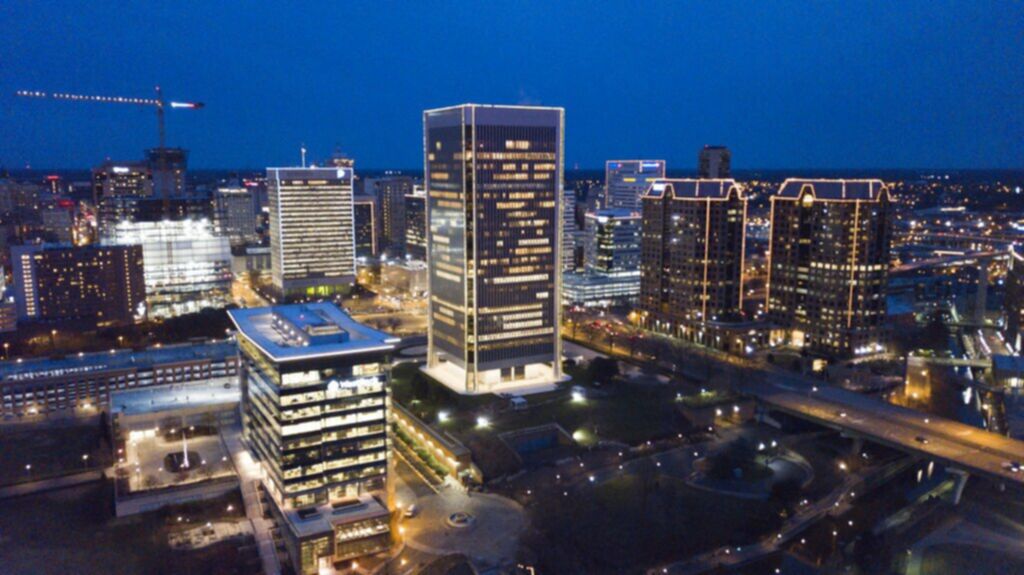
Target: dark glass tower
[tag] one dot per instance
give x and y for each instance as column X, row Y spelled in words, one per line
column 494, row 178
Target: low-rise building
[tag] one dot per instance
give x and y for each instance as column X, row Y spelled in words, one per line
column 85, row 381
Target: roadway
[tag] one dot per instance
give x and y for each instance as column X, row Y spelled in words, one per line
column 956, row 444
column 959, row 445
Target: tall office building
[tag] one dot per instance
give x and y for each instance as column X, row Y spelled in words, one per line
column 569, row 229
column 416, row 224
column 829, row 264
column 714, row 162
column 234, row 212
column 114, row 179
column 186, row 265
column 390, row 192
column 612, row 241
column 692, row 255
column 494, row 185
column 92, row 283
column 315, row 414
column 611, row 274
column 625, row 181
column 168, row 166
column 367, row 235
column 312, row 231
column 1013, row 300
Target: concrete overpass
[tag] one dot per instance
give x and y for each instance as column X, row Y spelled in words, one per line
column 954, row 362
column 958, row 446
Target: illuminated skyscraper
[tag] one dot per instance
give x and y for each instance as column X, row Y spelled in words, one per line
column 626, row 181
column 391, row 192
column 494, row 181
column 112, row 179
column 714, row 162
column 312, row 231
column 416, row 224
column 693, row 243
column 367, row 230
column 168, row 166
column 612, row 263
column 829, row 264
column 234, row 210
column 316, row 415
column 569, row 229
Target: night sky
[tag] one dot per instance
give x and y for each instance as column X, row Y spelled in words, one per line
column 784, row 84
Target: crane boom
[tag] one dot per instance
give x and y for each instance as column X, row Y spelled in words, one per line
column 159, row 103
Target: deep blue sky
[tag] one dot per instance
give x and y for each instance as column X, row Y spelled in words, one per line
column 784, row 84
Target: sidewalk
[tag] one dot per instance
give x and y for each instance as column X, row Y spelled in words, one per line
column 249, row 477
column 52, row 483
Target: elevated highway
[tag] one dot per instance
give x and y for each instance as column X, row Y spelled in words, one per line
column 945, row 441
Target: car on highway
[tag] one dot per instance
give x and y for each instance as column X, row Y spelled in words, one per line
column 1014, row 466
column 921, row 439
column 411, row 511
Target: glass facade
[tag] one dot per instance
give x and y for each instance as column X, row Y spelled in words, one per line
column 366, row 226
column 187, row 267
column 626, row 181
column 416, row 224
column 494, row 184
column 320, row 428
column 234, row 211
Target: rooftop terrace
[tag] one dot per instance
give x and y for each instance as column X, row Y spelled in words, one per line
column 305, row 331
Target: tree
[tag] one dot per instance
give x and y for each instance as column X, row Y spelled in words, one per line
column 787, row 492
column 602, row 370
column 936, row 335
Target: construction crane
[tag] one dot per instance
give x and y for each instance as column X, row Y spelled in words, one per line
column 159, row 103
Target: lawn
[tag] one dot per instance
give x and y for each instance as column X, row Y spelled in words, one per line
column 627, row 523
column 955, row 559
column 50, row 450
column 74, row 531
column 621, row 412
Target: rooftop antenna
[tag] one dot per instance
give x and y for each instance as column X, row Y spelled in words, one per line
column 303, row 151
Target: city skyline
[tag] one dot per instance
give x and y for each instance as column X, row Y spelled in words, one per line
column 533, row 289
column 745, row 73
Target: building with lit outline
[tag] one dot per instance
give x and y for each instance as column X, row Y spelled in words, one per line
column 692, row 259
column 316, row 415
column 312, row 232
column 828, row 265
column 494, row 184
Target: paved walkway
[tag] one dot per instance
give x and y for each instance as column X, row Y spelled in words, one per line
column 52, row 483
column 248, row 477
column 491, row 540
